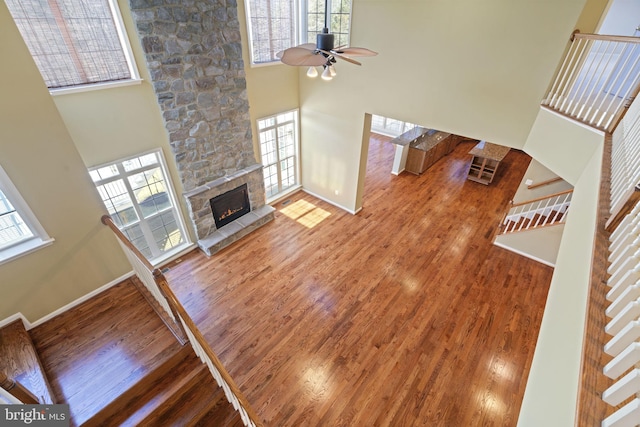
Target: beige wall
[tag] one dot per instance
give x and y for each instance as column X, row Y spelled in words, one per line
column 477, row 69
column 554, row 377
column 561, row 145
column 39, row 156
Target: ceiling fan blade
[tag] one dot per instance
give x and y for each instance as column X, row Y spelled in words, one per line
column 310, row 46
column 356, row 51
column 300, row 56
column 345, row 57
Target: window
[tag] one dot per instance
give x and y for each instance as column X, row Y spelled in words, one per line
column 389, row 127
column 279, row 150
column 20, row 231
column 75, row 42
column 340, row 17
column 274, row 25
column 141, row 202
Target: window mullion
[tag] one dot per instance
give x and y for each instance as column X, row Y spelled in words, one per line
column 144, row 225
column 278, row 160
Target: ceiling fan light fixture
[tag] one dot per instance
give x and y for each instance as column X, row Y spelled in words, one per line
column 312, row 72
column 326, row 74
column 332, row 70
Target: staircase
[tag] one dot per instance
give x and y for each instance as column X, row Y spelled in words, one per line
column 537, row 213
column 179, row 392
column 171, row 388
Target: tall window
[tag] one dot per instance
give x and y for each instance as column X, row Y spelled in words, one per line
column 20, row 231
column 275, row 25
column 74, row 42
column 141, row 202
column 279, row 150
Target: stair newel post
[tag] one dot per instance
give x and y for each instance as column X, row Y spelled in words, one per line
column 17, row 390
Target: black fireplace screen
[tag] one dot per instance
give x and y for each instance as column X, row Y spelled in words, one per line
column 230, row 206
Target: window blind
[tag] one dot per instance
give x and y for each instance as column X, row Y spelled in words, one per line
column 73, row 42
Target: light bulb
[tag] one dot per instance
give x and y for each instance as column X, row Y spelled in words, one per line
column 326, row 74
column 332, row 70
column 312, row 72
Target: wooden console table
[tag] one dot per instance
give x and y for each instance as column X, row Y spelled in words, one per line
column 485, row 160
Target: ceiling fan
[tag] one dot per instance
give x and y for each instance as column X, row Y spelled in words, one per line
column 322, row 53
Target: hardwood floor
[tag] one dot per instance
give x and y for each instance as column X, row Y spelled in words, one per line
column 97, row 350
column 404, row 314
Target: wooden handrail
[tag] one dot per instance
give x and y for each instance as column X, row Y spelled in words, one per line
column 605, row 37
column 560, row 193
column 543, row 183
column 162, row 283
column 184, row 320
column 17, row 390
column 615, row 219
column 106, row 220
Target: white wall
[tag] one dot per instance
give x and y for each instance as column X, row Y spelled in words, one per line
column 552, row 387
column 562, row 145
column 537, row 173
column 622, row 18
column 477, row 69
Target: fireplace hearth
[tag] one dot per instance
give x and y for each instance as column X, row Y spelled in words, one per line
column 243, row 211
column 229, row 206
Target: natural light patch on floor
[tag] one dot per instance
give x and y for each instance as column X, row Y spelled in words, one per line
column 305, row 213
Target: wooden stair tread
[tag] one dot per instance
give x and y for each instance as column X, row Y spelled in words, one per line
column 20, row 362
column 189, row 403
column 151, row 392
column 219, row 413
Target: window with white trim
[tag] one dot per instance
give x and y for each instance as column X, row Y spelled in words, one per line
column 278, row 137
column 388, row 126
column 140, row 199
column 75, row 42
column 275, row 25
column 20, row 230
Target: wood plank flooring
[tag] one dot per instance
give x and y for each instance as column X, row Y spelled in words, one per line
column 97, row 350
column 402, row 315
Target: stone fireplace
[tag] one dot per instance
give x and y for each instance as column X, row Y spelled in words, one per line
column 194, row 55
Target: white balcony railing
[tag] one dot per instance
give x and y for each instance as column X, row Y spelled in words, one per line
column 598, row 79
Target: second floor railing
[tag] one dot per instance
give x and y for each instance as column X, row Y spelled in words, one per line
column 625, row 165
column 624, row 326
column 598, row 79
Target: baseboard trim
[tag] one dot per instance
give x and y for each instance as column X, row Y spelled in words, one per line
column 524, row 254
column 331, row 202
column 29, row 325
column 13, row 318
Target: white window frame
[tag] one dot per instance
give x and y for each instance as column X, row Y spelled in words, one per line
column 38, row 240
column 296, row 129
column 127, row 52
column 123, row 174
column 387, row 129
column 301, row 32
